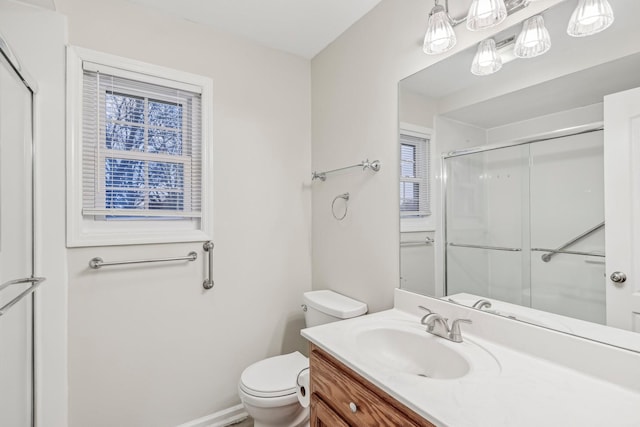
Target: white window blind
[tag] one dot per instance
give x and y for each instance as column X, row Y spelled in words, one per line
column 141, row 147
column 415, row 188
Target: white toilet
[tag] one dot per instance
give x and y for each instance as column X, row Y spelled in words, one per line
column 268, row 387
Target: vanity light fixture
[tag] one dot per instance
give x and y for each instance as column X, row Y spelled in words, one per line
column 487, row 60
column 590, row 17
column 533, row 40
column 440, row 36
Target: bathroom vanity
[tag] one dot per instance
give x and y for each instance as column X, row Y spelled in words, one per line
column 385, row 369
column 341, row 397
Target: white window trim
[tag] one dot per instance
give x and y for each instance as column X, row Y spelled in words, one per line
column 427, row 223
column 83, row 231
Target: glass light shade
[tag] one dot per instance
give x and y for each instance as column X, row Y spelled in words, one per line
column 486, row 61
column 533, row 40
column 440, row 36
column 590, row 17
column 486, row 14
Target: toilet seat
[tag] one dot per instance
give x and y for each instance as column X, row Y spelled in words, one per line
column 268, row 402
column 274, row 377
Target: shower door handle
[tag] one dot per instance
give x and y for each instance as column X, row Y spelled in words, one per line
column 618, row 277
column 35, row 282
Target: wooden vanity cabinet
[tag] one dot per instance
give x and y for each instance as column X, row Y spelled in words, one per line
column 340, row 397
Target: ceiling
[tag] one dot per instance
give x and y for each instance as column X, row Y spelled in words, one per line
column 585, row 87
column 300, row 27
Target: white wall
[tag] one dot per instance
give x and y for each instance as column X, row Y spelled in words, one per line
column 147, row 345
column 417, row 263
column 416, row 109
column 543, row 125
column 355, row 111
column 38, row 36
column 417, row 260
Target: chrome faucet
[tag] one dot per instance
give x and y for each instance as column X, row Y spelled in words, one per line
column 454, row 334
column 481, row 303
column 437, row 325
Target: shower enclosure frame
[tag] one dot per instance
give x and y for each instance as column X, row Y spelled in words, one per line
column 548, row 136
column 7, row 55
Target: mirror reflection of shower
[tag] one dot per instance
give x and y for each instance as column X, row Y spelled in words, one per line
column 525, row 224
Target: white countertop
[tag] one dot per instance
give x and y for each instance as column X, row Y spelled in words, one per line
column 523, row 391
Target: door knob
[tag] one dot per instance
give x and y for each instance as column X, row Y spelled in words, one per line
column 618, row 277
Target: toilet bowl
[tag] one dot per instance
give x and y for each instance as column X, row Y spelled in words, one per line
column 267, row 388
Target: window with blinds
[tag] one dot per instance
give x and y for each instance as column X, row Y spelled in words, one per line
column 141, row 146
column 414, row 176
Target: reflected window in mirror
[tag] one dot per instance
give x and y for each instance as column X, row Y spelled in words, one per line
column 415, row 179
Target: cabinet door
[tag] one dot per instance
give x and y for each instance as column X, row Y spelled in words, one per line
column 351, row 399
column 323, row 416
column 355, row 403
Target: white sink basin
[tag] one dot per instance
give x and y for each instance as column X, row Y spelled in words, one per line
column 406, row 349
column 422, row 355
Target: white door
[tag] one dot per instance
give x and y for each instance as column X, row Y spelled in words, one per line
column 622, row 208
column 16, row 282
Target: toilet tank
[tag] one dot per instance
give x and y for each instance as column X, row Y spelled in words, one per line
column 326, row 306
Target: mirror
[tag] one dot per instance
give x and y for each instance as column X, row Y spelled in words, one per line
column 502, row 181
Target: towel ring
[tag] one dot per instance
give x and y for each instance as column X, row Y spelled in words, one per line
column 345, row 197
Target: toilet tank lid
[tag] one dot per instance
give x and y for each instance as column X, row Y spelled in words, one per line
column 334, row 304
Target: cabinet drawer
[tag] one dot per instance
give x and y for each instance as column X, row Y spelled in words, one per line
column 323, row 416
column 342, row 392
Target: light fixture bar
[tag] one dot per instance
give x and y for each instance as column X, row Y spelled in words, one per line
column 506, row 42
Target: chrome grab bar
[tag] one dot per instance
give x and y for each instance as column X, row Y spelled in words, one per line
column 35, row 282
column 208, row 282
column 561, row 250
column 426, row 241
column 98, row 262
column 552, row 252
column 494, row 248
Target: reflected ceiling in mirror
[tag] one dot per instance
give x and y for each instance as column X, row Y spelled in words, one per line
column 517, row 168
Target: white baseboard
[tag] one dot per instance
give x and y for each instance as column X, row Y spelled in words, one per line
column 222, row 418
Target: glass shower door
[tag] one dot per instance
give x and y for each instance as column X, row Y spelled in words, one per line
column 525, row 225
column 567, row 202
column 16, row 266
column 487, row 214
